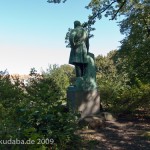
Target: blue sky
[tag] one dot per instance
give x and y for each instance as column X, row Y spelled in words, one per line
column 32, row 33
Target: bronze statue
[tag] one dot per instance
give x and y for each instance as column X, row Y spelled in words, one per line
column 82, row 96
column 79, row 42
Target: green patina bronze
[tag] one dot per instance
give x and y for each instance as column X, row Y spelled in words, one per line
column 81, row 58
column 79, row 48
column 79, row 44
column 82, row 97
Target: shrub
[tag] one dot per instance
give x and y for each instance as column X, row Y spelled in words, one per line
column 38, row 113
column 133, row 98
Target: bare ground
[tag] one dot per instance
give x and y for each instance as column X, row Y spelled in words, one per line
column 123, row 134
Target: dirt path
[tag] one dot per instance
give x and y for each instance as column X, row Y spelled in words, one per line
column 118, row 135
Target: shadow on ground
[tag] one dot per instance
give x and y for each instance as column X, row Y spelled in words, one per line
column 122, row 134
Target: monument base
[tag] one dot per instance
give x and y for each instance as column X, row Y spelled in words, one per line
column 85, row 102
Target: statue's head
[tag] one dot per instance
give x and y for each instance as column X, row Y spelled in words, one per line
column 77, row 23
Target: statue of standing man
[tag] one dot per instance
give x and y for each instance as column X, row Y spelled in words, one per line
column 83, row 96
column 79, row 42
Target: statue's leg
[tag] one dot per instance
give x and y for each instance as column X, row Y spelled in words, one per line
column 83, row 68
column 78, row 70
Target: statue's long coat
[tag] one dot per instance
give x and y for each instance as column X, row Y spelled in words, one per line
column 79, row 45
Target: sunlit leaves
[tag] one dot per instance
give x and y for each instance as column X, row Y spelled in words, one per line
column 135, row 46
column 135, row 25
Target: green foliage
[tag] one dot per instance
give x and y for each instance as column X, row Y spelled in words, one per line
column 130, row 99
column 115, row 8
column 36, row 113
column 9, row 93
column 135, row 51
column 111, row 8
column 117, row 92
column 133, row 56
column 108, row 80
column 11, row 96
column 63, row 76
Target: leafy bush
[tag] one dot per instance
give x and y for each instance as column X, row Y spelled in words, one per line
column 117, row 91
column 120, row 97
column 36, row 113
column 63, row 76
column 108, row 80
column 133, row 98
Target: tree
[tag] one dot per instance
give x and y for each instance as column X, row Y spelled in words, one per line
column 37, row 112
column 135, row 49
column 111, row 8
column 117, row 92
column 135, row 12
column 132, row 59
column 109, row 82
column 63, row 76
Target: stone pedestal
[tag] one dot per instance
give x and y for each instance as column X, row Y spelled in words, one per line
column 85, row 102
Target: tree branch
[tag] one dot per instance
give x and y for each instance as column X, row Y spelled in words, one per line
column 118, row 10
column 101, row 11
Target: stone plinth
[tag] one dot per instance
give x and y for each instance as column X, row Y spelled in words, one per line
column 85, row 102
